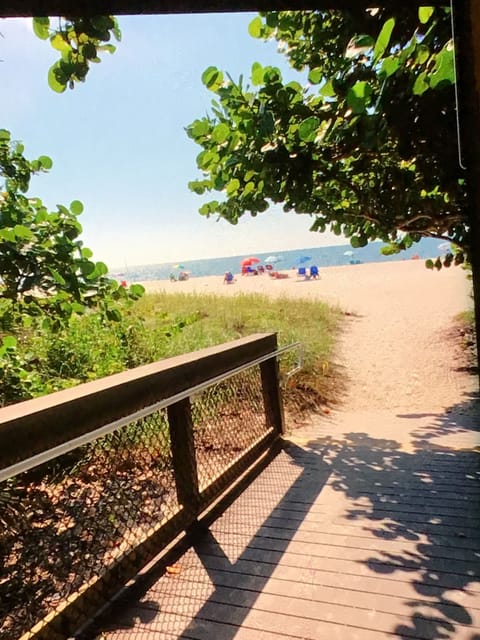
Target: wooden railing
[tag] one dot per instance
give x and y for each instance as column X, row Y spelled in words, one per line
column 120, row 467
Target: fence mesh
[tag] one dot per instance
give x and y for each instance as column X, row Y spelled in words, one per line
column 69, row 520
column 228, row 418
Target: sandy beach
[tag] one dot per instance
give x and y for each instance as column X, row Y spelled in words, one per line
column 395, row 350
column 352, row 287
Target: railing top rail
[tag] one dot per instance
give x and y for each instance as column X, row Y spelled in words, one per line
column 39, row 430
column 70, row 445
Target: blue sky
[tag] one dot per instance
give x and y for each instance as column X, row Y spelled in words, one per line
column 118, row 142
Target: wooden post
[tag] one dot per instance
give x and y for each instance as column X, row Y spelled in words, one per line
column 467, row 31
column 183, row 456
column 271, row 395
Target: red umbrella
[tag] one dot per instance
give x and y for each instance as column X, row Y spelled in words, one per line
column 249, row 261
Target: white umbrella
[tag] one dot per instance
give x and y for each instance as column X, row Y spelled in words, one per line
column 273, row 259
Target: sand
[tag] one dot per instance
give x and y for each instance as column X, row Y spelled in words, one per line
column 396, row 348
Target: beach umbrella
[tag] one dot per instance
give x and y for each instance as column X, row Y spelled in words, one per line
column 348, row 253
column 249, row 261
column 303, row 259
column 273, row 259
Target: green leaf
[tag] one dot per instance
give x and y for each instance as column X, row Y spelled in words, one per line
column 53, row 81
column 249, row 187
column 383, row 39
column 9, row 342
column 272, row 19
column 272, row 75
column 199, row 128
column 444, row 70
column 211, row 77
column 46, row 162
column 358, row 241
column 315, row 76
column 137, row 290
column 424, row 14
column 233, row 186
column 114, row 315
column 58, row 278
column 101, row 268
column 429, row 264
column 421, row 84
column 328, row 90
column 422, row 54
column 86, row 267
column 22, row 232
column 111, row 48
column 220, row 133
column 4, row 134
column 255, row 27
column 76, row 207
column 41, row 28
column 389, row 66
column 59, row 43
column 307, row 130
column 257, row 73
column 358, row 95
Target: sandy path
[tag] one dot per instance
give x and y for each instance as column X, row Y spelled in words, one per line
column 395, row 348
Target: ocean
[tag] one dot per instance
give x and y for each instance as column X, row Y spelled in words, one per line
column 320, row 256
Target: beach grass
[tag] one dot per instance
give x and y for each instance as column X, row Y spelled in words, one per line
column 213, row 319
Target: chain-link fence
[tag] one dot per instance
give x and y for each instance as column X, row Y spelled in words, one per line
column 68, row 524
column 228, row 418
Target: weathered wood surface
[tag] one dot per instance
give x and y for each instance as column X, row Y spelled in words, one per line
column 356, row 535
column 34, row 426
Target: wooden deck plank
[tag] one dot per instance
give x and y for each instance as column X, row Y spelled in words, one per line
column 319, row 603
column 324, row 587
column 342, row 541
column 356, row 535
column 452, row 547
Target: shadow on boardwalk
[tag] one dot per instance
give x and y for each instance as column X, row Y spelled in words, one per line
column 349, row 535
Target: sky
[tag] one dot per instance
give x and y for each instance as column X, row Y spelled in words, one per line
column 118, row 142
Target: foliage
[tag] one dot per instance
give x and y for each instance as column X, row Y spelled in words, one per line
column 362, row 148
column 47, row 276
column 41, row 360
column 90, row 347
column 46, row 273
column 79, row 40
column 219, row 319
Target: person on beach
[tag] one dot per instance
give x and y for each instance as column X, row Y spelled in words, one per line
column 228, row 278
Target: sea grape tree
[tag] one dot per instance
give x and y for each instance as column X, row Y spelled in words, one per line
column 45, row 271
column 366, row 148
column 79, row 41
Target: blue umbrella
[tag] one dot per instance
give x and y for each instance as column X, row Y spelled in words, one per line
column 303, row 259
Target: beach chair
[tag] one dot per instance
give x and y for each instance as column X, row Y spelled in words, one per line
column 302, row 273
column 314, row 272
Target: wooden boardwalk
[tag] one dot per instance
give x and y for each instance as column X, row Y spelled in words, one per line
column 362, row 532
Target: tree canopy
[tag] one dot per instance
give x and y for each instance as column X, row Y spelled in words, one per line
column 367, row 148
column 79, row 41
column 45, row 271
